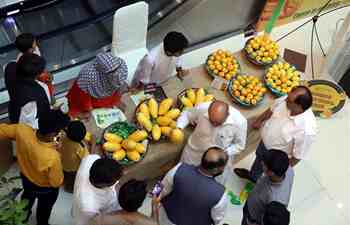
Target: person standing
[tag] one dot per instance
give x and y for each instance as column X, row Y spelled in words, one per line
column 275, row 185
column 191, row 195
column 29, row 100
column 162, row 61
column 289, row 125
column 100, row 84
column 131, row 197
column 39, row 161
column 217, row 124
column 95, row 188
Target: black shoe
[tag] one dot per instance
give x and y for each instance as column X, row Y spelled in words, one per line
column 244, row 174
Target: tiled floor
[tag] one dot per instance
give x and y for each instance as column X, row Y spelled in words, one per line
column 321, row 192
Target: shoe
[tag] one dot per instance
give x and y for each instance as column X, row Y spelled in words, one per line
column 244, row 174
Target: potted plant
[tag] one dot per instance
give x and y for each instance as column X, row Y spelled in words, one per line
column 12, row 210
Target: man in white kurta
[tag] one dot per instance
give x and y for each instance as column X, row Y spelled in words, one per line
column 229, row 135
column 162, row 62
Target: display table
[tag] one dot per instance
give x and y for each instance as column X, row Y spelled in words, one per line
column 164, row 155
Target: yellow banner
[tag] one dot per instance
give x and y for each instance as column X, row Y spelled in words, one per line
column 294, row 10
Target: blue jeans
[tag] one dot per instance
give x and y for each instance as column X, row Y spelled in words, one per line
column 257, row 169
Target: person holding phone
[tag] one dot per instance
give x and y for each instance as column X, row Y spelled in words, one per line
column 131, row 197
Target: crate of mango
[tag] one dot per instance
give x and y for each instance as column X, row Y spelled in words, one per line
column 125, row 143
column 159, row 120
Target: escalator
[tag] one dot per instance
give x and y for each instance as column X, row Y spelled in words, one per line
column 71, row 32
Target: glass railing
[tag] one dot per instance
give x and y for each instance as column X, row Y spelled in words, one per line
column 72, row 32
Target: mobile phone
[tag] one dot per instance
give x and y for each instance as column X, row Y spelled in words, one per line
column 157, row 189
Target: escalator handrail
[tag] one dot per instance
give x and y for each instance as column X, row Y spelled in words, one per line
column 76, row 26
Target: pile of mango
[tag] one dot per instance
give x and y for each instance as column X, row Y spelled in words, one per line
column 131, row 147
column 160, row 120
column 194, row 97
column 248, row 89
column 222, row 63
column 282, row 77
column 262, row 49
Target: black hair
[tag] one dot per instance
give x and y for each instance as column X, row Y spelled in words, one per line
column 30, row 66
column 132, row 194
column 105, row 172
column 175, row 42
column 304, row 99
column 276, row 161
column 76, row 131
column 24, row 42
column 276, row 214
column 210, row 164
column 52, row 122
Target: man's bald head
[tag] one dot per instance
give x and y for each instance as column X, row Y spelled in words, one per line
column 214, row 161
column 218, row 112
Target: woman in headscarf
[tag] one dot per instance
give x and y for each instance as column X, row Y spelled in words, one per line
column 99, row 85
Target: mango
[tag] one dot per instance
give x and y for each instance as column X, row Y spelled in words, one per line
column 133, row 155
column 119, row 155
column 129, row 145
column 200, row 96
column 191, row 95
column 109, row 137
column 140, row 148
column 173, row 114
column 208, row 98
column 138, row 135
column 176, row 136
column 111, row 146
column 164, row 121
column 144, row 122
column 153, row 107
column 186, row 102
column 144, row 109
column 165, row 105
column 165, row 130
column 156, row 133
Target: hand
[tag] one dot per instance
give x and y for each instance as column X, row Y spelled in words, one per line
column 155, row 207
column 256, row 124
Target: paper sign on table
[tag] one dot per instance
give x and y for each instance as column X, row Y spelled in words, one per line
column 105, row 117
column 219, row 83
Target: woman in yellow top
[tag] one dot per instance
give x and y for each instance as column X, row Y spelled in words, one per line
column 73, row 150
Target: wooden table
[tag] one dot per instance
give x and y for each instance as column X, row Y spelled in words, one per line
column 164, row 155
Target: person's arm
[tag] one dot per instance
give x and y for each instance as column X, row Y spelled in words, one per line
column 190, row 116
column 239, row 142
column 301, row 147
column 143, row 72
column 168, row 182
column 8, row 131
column 257, row 123
column 218, row 211
column 55, row 173
column 28, row 115
column 155, row 209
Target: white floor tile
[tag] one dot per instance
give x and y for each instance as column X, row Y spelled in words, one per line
column 318, row 209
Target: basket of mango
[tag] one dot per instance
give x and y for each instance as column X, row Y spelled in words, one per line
column 262, row 50
column 124, row 143
column 191, row 97
column 159, row 120
column 222, row 63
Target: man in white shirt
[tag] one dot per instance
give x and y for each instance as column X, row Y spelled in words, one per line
column 289, row 125
column 95, row 188
column 160, row 64
column 191, row 194
column 217, row 124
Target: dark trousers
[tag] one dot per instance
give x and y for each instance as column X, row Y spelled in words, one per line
column 257, row 169
column 46, row 196
column 69, row 180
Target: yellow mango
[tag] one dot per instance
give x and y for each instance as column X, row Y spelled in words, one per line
column 186, row 102
column 119, row 155
column 176, row 136
column 138, row 135
column 129, row 145
column 200, row 96
column 144, row 109
column 163, row 121
column 153, row 107
column 191, row 95
column 208, row 98
column 133, row 155
column 156, row 133
column 144, row 122
column 165, row 105
column 173, row 124
column 173, row 114
column 165, row 130
column 109, row 137
column 111, row 146
column 140, row 148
